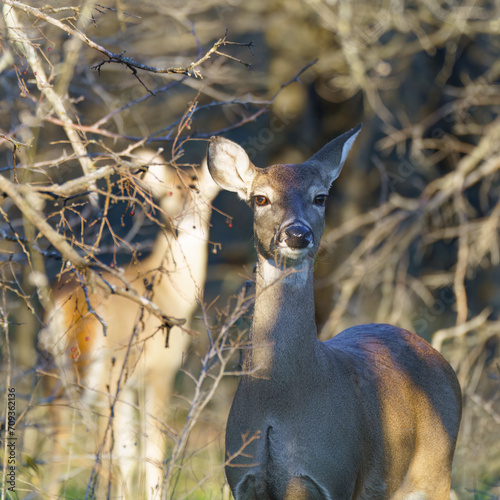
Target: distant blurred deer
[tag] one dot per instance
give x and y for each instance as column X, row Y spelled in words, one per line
column 132, row 359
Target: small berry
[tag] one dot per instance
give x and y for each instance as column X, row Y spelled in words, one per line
column 87, row 339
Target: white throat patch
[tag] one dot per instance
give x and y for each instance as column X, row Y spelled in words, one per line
column 271, row 273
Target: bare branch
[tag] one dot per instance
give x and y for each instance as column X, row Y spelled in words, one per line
column 112, row 57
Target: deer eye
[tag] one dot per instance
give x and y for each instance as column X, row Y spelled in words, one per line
column 320, row 200
column 261, row 201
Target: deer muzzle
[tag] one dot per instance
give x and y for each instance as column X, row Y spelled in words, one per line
column 297, row 236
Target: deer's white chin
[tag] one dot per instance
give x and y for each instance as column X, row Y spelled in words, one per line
column 294, row 253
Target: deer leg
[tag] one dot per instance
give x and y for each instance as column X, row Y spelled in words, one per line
column 156, row 402
column 125, row 452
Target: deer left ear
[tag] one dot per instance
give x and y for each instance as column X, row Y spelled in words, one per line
column 332, row 156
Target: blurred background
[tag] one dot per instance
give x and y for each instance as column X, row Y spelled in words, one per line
column 412, row 233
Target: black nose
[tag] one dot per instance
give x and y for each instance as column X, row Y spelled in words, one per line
column 298, row 236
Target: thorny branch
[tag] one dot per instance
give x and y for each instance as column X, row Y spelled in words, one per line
column 188, row 70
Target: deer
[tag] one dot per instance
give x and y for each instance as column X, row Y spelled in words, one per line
column 372, row 413
column 173, row 275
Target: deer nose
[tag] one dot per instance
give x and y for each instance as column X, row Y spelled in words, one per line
column 298, row 236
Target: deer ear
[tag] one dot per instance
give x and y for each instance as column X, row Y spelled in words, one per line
column 230, row 166
column 332, row 156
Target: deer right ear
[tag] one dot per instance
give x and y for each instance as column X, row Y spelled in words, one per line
column 230, row 166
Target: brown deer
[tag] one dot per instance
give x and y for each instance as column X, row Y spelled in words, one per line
column 372, row 413
column 132, row 359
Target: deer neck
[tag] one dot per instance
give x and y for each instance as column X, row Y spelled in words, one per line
column 183, row 254
column 284, row 329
